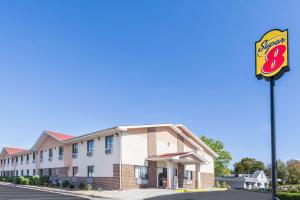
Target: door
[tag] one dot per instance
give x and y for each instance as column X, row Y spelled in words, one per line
column 162, row 177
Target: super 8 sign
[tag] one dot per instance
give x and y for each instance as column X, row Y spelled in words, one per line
column 271, row 54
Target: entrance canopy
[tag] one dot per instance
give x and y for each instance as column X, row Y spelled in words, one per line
column 183, row 157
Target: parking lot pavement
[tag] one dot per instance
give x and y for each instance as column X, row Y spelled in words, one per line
column 226, row 195
column 14, row 193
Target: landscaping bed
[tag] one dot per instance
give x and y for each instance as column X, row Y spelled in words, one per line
column 288, row 196
column 44, row 181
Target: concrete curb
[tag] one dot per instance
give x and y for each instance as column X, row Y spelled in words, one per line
column 201, row 190
column 56, row 191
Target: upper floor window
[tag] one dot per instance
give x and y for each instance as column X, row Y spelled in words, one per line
column 41, row 155
column 50, row 153
column 8, row 161
column 21, row 158
column 17, row 159
column 75, row 148
column 33, row 156
column 109, row 142
column 90, row 145
column 27, row 157
column 61, row 151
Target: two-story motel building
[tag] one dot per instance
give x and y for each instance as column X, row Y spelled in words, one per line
column 123, row 157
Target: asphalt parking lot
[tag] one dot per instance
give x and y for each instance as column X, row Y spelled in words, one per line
column 227, row 195
column 13, row 193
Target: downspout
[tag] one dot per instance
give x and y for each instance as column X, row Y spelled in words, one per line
column 120, row 165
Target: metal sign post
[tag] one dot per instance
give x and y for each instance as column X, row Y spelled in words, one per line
column 273, row 139
column 271, row 57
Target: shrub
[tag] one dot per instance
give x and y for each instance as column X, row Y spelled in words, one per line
column 65, row 183
column 71, row 186
column 35, row 180
column 17, row 179
column 44, row 180
column 24, row 180
column 89, row 187
column 225, row 185
column 82, row 186
column 288, row 196
column 11, row 179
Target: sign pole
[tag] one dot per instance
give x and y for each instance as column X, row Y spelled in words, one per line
column 273, row 139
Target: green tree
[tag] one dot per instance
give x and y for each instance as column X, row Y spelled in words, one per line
column 248, row 166
column 282, row 171
column 294, row 171
column 221, row 162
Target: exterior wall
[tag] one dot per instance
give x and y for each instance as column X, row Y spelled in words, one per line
column 102, row 162
column 207, row 180
column 134, row 148
column 166, row 141
column 45, row 146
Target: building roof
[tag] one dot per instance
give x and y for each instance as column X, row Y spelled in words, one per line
column 12, row 150
column 59, row 136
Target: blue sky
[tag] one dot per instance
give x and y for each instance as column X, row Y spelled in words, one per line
column 81, row 66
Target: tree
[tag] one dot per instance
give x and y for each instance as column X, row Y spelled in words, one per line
column 294, row 171
column 221, row 162
column 248, row 166
column 282, row 171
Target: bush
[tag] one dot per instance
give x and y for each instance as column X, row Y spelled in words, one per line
column 89, row 187
column 44, row 180
column 24, row 180
column 65, row 183
column 288, row 196
column 71, row 186
column 35, row 180
column 82, row 186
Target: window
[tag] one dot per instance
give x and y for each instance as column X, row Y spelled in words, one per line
column 33, row 172
column 90, row 145
column 50, row 153
column 188, row 175
column 90, row 170
column 50, row 172
column 8, row 161
column 17, row 173
column 109, row 144
column 75, row 171
column 141, row 172
column 27, row 157
column 27, row 174
column 33, row 156
column 61, row 151
column 41, row 172
column 22, row 173
column 41, row 155
column 75, row 148
column 21, row 158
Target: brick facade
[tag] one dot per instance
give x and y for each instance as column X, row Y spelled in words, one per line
column 207, row 180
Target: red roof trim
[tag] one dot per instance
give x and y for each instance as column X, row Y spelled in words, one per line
column 11, row 150
column 59, row 136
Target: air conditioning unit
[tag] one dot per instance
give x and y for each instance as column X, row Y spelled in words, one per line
column 41, row 160
column 139, row 181
column 61, row 157
column 50, row 159
column 90, row 153
column 33, row 161
column 108, row 151
column 74, row 155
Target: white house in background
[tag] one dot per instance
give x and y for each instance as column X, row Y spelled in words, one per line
column 257, row 180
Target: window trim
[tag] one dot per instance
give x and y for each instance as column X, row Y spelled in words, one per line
column 92, row 172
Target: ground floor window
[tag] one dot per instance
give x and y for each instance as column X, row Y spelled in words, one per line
column 41, row 172
column 27, row 172
column 17, row 173
column 22, row 173
column 33, row 172
column 75, row 171
column 188, row 175
column 90, row 170
column 141, row 172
